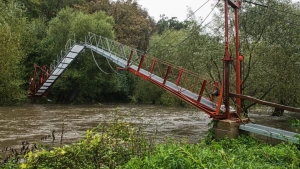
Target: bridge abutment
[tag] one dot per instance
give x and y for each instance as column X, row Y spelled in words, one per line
column 226, row 128
column 232, row 129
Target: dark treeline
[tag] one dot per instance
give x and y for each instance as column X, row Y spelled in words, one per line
column 35, row 32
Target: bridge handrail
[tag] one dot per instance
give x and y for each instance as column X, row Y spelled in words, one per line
column 187, row 85
column 109, row 45
column 70, row 43
column 113, row 47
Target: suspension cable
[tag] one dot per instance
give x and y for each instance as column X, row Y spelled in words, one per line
column 268, row 7
column 97, row 64
column 191, row 34
column 113, row 68
column 277, row 10
column 154, row 45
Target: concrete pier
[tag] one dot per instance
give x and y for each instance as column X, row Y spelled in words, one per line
column 227, row 128
column 232, row 129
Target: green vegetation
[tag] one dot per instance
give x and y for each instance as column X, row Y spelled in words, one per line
column 34, row 31
column 294, row 122
column 107, row 146
column 244, row 152
column 122, row 145
column 12, row 23
column 268, row 39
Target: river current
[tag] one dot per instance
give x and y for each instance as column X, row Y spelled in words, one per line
column 33, row 122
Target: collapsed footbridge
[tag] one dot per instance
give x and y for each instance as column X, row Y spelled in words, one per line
column 191, row 87
column 206, row 95
column 185, row 84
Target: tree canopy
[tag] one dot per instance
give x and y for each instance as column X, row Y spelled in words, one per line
column 12, row 22
column 34, row 31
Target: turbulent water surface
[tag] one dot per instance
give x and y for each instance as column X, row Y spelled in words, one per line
column 32, row 122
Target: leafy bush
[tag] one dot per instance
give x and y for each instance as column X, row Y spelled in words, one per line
column 244, row 152
column 107, row 146
column 123, row 145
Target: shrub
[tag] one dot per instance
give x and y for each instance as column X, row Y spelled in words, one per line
column 107, row 146
column 244, row 152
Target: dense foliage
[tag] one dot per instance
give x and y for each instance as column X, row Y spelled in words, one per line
column 269, row 38
column 12, row 23
column 244, row 152
column 107, row 146
column 34, row 31
column 122, row 145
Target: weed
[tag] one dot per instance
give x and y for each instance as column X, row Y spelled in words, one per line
column 294, row 122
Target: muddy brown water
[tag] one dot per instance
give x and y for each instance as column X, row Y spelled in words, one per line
column 33, row 122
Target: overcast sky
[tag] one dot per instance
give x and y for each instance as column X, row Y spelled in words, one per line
column 177, row 8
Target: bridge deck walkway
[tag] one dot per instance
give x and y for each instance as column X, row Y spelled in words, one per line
column 270, row 132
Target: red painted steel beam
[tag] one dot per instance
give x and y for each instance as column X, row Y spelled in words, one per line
column 227, row 60
column 253, row 99
column 234, row 5
column 153, row 64
column 130, row 57
column 179, row 76
column 237, row 60
column 35, row 81
column 202, row 90
column 220, row 102
column 167, row 74
column 141, row 62
column 207, row 110
column 185, row 98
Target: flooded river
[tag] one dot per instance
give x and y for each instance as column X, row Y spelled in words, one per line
column 33, row 122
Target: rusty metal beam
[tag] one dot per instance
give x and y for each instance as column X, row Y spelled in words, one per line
column 233, row 4
column 288, row 108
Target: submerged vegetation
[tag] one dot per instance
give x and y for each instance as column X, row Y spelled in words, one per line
column 123, row 145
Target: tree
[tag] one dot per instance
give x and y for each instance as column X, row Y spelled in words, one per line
column 49, row 8
column 269, row 37
column 267, row 40
column 133, row 25
column 168, row 24
column 83, row 81
column 33, row 46
column 12, row 24
column 190, row 47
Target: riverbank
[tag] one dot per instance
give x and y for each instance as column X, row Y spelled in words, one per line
column 125, row 145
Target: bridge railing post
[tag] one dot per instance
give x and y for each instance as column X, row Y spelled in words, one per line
column 141, row 62
column 219, row 101
column 167, row 74
column 202, row 90
column 179, row 76
column 152, row 66
column 130, row 57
